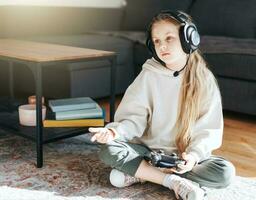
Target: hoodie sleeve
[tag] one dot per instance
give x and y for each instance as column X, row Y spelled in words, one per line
column 131, row 117
column 208, row 130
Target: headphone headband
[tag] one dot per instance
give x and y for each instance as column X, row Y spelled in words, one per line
column 176, row 15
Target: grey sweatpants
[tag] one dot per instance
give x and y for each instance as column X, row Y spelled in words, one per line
column 214, row 172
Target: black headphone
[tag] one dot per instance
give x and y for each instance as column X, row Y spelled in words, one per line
column 189, row 36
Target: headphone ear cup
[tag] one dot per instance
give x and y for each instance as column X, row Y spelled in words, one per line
column 183, row 39
column 189, row 38
column 194, row 39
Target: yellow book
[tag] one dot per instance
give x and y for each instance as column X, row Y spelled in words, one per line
column 73, row 123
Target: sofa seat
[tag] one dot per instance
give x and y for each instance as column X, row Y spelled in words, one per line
column 235, row 95
column 83, row 76
column 140, row 52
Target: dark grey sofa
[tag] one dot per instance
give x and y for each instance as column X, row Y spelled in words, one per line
column 228, row 32
column 227, row 27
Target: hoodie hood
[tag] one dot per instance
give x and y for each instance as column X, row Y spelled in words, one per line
column 153, row 65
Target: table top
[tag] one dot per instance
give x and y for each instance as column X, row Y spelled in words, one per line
column 45, row 52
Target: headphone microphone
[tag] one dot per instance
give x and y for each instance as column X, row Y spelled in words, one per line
column 177, row 73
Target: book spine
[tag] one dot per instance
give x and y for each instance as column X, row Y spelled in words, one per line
column 73, row 107
column 80, row 114
column 74, row 123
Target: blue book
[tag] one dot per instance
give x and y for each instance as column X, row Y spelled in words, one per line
column 81, row 114
column 68, row 104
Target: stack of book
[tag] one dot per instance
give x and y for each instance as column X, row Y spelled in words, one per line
column 75, row 112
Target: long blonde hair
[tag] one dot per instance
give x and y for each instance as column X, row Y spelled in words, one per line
column 196, row 90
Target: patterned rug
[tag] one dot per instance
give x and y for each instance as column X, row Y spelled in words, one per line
column 72, row 171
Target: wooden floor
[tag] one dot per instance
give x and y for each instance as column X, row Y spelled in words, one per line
column 239, row 141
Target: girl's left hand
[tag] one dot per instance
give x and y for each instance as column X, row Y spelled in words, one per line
column 188, row 166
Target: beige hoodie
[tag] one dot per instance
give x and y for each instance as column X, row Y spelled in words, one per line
column 148, row 111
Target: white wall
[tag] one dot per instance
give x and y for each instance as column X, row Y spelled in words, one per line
column 71, row 3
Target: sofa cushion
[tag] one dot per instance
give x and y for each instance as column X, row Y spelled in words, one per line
column 228, row 45
column 235, row 18
column 123, row 47
column 230, row 57
column 138, row 13
column 134, row 36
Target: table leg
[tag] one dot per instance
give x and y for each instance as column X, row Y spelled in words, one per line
column 11, row 89
column 112, row 88
column 39, row 125
column 11, row 86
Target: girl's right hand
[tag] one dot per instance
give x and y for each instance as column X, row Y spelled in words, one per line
column 102, row 135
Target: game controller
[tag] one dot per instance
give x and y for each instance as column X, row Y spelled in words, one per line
column 160, row 159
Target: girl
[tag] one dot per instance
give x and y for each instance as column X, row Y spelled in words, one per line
column 174, row 105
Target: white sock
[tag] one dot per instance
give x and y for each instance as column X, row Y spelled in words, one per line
column 168, row 180
column 117, row 178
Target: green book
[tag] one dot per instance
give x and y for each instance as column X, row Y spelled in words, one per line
column 80, row 114
column 68, row 104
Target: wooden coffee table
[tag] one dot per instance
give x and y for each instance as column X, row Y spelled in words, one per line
column 36, row 56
